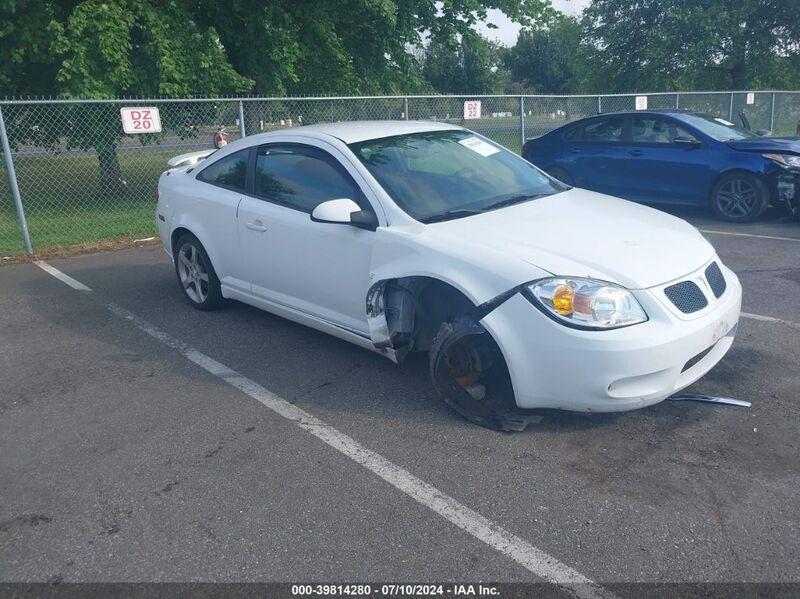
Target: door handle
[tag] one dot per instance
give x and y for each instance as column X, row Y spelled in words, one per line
column 256, row 225
column 635, row 152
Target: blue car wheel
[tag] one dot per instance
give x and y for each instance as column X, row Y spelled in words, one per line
column 739, row 197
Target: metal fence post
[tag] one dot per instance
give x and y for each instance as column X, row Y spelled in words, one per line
column 405, row 108
column 599, row 104
column 241, row 119
column 730, row 109
column 677, row 101
column 12, row 183
column 522, row 121
column 772, row 114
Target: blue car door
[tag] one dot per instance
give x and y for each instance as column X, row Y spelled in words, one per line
column 665, row 162
column 596, row 155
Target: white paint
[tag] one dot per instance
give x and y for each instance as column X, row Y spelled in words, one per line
column 472, row 109
column 61, row 276
column 140, row 120
column 749, row 235
column 328, row 269
column 788, row 323
column 641, row 102
column 531, row 558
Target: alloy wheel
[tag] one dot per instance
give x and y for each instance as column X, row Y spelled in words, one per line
column 737, row 198
column 193, row 273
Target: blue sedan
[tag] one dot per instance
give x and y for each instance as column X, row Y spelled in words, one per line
column 673, row 157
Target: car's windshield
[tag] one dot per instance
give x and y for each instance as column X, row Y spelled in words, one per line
column 716, row 127
column 438, row 175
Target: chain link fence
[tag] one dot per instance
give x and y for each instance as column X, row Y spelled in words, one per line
column 82, row 181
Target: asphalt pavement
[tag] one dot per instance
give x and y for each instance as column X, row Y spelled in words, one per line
column 122, row 460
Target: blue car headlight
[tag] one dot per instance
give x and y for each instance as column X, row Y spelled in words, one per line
column 784, row 159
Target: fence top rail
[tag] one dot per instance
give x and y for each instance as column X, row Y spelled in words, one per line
column 8, row 102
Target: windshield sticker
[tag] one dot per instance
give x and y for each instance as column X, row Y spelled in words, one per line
column 724, row 122
column 479, row 146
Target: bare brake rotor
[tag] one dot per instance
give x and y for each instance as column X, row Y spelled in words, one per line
column 470, row 374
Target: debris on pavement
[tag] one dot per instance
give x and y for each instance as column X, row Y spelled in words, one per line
column 728, row 401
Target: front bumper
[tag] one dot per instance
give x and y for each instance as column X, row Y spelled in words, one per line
column 553, row 366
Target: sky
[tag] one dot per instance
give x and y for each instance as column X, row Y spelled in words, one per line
column 507, row 31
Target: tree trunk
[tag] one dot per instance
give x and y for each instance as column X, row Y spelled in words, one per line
column 111, row 180
column 739, row 78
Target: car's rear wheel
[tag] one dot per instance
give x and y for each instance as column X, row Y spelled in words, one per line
column 739, row 197
column 196, row 274
column 470, row 374
column 561, row 174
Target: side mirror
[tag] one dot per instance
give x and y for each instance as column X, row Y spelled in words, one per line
column 683, row 140
column 344, row 212
column 763, row 132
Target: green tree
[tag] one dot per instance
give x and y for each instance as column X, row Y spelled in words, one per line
column 27, row 66
column 301, row 47
column 116, row 48
column 543, row 59
column 660, row 45
column 470, row 65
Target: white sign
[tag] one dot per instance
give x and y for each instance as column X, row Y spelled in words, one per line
column 140, row 120
column 472, row 109
column 479, row 146
column 751, row 98
column 641, row 102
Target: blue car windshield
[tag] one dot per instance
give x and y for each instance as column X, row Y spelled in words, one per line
column 715, row 127
column 440, row 175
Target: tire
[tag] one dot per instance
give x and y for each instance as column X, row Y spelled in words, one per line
column 739, row 197
column 469, row 373
column 196, row 275
column 562, row 175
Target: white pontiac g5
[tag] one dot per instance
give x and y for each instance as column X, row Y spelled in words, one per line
column 405, row 236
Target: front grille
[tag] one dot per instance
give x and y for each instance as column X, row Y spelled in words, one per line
column 715, row 279
column 686, row 296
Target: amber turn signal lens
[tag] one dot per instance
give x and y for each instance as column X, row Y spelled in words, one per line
column 563, row 298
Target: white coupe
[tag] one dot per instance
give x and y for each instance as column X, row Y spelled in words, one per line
column 404, row 236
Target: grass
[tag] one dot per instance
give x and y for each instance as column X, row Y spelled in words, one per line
column 65, row 205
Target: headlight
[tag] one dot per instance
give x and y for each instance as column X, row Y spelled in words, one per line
column 784, row 159
column 586, row 303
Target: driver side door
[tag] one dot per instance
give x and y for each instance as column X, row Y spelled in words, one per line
column 320, row 269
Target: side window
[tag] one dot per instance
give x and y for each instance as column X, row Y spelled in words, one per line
column 653, row 130
column 609, row 129
column 229, row 172
column 299, row 178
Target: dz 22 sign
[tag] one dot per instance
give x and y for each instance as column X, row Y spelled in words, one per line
column 140, row 120
column 472, row 109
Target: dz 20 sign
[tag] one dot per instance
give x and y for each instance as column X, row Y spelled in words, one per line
column 140, row 120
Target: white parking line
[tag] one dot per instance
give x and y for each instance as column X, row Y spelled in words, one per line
column 750, row 235
column 531, row 558
column 61, row 276
column 788, row 323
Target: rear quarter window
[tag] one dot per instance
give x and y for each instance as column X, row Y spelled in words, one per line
column 229, row 172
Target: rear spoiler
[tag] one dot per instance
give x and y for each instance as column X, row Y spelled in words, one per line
column 189, row 159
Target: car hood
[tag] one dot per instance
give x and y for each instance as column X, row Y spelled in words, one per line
column 583, row 233
column 786, row 145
